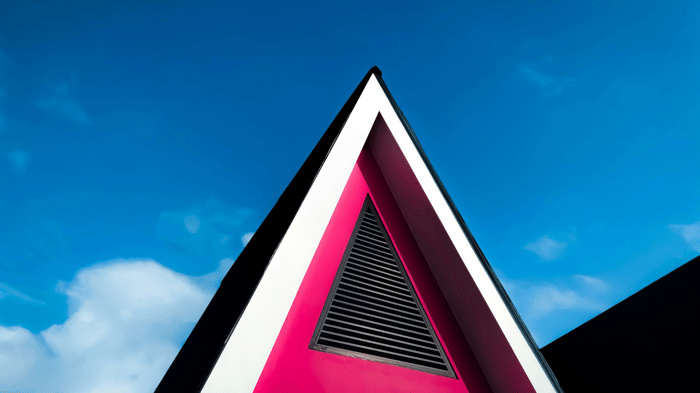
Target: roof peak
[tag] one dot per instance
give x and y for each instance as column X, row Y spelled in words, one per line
column 375, row 70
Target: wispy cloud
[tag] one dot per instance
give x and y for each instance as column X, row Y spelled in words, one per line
column 204, row 229
column 19, row 159
column 538, row 302
column 549, row 84
column 246, row 238
column 592, row 283
column 535, row 76
column 577, row 292
column 191, row 223
column 7, row 291
column 689, row 233
column 61, row 103
column 547, row 249
column 548, row 298
column 127, row 320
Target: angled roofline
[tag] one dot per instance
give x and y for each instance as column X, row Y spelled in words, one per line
column 202, row 349
column 197, row 357
column 480, row 254
column 609, row 351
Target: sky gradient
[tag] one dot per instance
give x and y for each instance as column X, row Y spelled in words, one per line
column 141, row 143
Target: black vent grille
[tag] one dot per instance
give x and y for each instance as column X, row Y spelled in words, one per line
column 372, row 311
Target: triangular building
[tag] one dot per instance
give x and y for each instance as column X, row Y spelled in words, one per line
column 362, row 278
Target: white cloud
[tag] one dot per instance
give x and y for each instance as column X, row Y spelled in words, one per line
column 246, row 238
column 191, row 223
column 546, row 248
column 19, row 160
column 62, row 104
column 6, row 290
column 127, row 320
column 548, row 298
column 548, row 307
column 210, row 281
column 20, row 354
column 536, row 300
column 690, row 233
column 592, row 283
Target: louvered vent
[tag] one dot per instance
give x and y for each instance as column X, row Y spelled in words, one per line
column 372, row 311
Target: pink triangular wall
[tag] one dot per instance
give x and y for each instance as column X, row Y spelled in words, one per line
column 293, row 367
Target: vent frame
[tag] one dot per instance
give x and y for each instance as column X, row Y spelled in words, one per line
column 315, row 345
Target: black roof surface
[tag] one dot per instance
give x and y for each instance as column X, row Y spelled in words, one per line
column 195, row 361
column 649, row 342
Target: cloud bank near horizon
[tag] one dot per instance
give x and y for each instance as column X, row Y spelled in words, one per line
column 127, row 320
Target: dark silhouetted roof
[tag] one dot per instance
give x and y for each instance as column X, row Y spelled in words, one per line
column 649, row 342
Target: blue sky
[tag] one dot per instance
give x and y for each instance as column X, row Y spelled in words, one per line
column 142, row 142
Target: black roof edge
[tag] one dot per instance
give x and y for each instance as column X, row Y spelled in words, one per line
column 197, row 357
column 615, row 308
column 482, row 258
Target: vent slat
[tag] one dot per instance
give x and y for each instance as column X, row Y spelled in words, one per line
column 376, row 244
column 354, row 297
column 371, row 299
column 372, row 261
column 378, row 274
column 379, row 283
column 350, row 280
column 362, row 253
column 371, row 234
column 330, row 321
column 377, row 252
column 373, row 311
column 378, row 325
column 380, row 279
column 370, row 223
column 371, row 350
column 390, row 321
column 364, row 244
column 380, row 345
column 426, row 348
column 361, row 248
column 364, row 266
column 365, row 305
column 345, row 282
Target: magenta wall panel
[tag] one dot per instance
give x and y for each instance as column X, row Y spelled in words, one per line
column 293, row 367
column 474, row 318
column 437, row 309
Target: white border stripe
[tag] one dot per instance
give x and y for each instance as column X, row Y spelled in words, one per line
column 251, row 342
